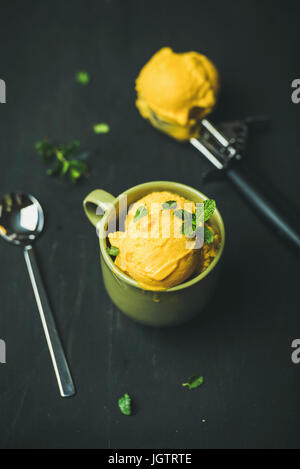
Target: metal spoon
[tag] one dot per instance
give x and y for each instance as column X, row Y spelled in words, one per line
column 21, row 222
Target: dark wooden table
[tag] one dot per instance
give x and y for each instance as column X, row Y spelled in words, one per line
column 242, row 342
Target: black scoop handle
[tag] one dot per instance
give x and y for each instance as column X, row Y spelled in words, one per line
column 265, row 204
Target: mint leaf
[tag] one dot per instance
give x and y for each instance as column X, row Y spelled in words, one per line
column 140, row 213
column 83, row 77
column 101, row 128
column 55, row 169
column 113, row 251
column 45, row 149
column 208, row 236
column 69, row 150
column 193, row 220
column 64, row 164
column 125, row 404
column 194, row 382
column 170, row 205
column 183, row 214
column 209, row 208
column 63, row 157
column 77, row 169
column 189, row 222
column 179, row 213
column 189, row 229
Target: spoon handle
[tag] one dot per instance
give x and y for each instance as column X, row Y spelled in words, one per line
column 61, row 368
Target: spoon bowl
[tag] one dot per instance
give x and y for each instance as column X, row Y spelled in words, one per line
column 21, row 218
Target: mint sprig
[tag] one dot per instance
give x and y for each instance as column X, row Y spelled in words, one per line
column 63, row 157
column 192, row 221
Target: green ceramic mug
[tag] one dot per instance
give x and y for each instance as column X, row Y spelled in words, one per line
column 167, row 308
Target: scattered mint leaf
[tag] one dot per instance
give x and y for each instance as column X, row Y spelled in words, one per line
column 64, row 163
column 55, row 170
column 101, row 128
column 77, row 169
column 125, row 404
column 209, row 208
column 140, row 213
column 208, row 235
column 45, row 149
column 170, row 205
column 113, row 251
column 63, row 156
column 194, row 382
column 71, row 149
column 83, row 77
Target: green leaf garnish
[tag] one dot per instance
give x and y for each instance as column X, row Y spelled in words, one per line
column 209, row 208
column 65, row 164
column 208, row 235
column 113, row 251
column 179, row 213
column 125, row 404
column 45, row 149
column 101, row 128
column 192, row 221
column 170, row 205
column 76, row 170
column 194, row 382
column 189, row 228
column 189, row 222
column 140, row 213
column 83, row 77
column 183, row 214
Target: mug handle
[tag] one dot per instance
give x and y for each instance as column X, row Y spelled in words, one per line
column 95, row 200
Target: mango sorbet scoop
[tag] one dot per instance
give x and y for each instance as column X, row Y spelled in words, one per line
column 151, row 250
column 175, row 92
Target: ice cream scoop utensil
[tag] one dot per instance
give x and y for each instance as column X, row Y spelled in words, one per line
column 223, row 149
column 223, row 152
column 21, row 222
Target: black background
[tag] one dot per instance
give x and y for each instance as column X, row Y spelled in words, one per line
column 242, row 342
